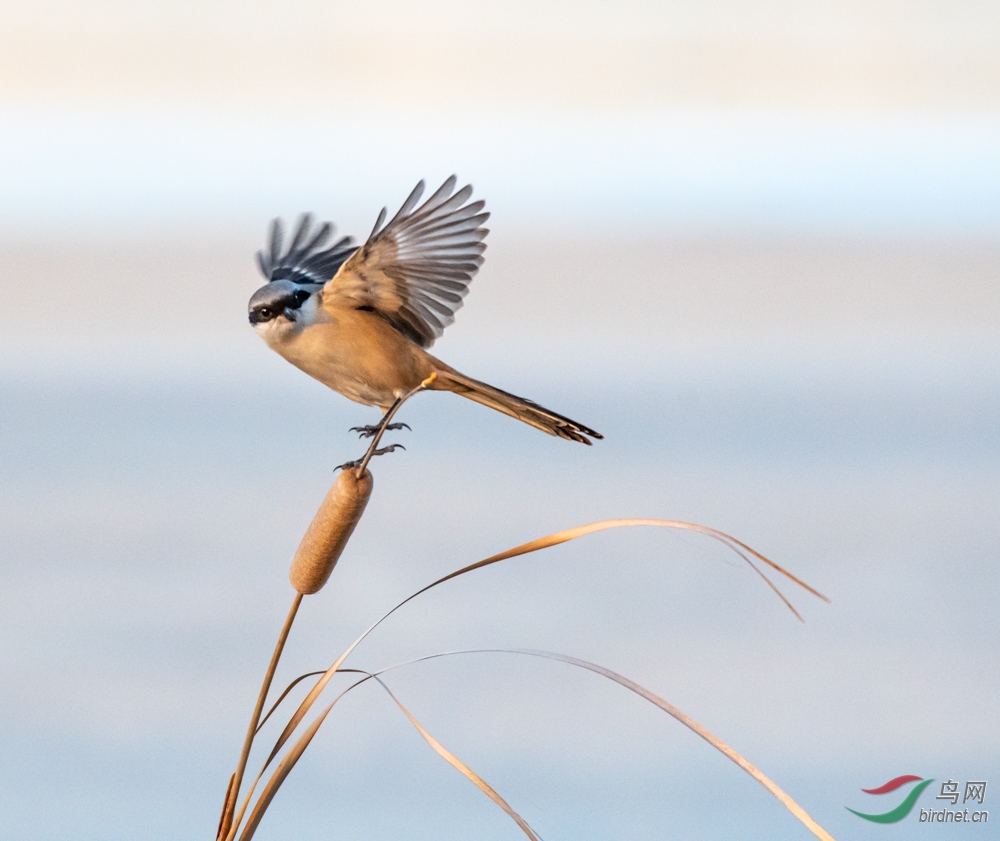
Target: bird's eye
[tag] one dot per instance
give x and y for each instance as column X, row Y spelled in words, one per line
column 300, row 296
column 264, row 313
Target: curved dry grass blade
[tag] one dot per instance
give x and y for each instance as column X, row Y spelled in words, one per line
column 292, row 757
column 279, row 775
column 566, row 535
column 298, row 680
column 695, row 727
column 460, row 766
column 282, row 771
column 667, row 707
column 555, row 539
column 283, row 695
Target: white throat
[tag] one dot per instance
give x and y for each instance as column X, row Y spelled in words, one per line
column 282, row 329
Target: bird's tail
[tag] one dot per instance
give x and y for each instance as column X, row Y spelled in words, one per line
column 517, row 407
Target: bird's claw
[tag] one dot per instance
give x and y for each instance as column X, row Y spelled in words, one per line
column 391, row 448
column 381, row 451
column 372, row 431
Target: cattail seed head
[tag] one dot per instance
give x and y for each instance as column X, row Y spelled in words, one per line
column 328, row 533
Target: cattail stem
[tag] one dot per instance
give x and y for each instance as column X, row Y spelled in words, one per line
column 314, row 561
column 232, row 793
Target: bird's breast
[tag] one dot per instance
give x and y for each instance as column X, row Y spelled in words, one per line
column 356, row 354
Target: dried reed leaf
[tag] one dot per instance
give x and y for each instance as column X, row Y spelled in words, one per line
column 297, row 681
column 227, row 805
column 457, row 763
column 293, row 755
column 772, row 787
column 667, row 707
column 284, row 694
column 555, row 539
column 280, row 773
column 737, row 546
column 231, row 835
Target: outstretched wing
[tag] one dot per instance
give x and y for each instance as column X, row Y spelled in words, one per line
column 415, row 271
column 306, row 260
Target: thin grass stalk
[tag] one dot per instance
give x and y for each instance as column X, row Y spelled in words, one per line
column 295, row 683
column 275, row 781
column 227, row 805
column 232, row 794
column 533, row 546
column 717, row 743
column 284, row 695
column 288, row 762
column 280, row 773
column 460, row 766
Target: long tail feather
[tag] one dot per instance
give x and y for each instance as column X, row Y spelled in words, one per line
column 517, row 407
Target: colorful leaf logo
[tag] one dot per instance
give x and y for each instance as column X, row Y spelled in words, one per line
column 903, row 809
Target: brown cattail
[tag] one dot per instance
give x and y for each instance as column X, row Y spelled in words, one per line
column 328, row 533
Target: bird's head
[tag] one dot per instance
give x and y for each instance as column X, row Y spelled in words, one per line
column 281, row 307
column 287, row 303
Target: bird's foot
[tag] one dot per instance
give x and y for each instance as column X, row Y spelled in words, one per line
column 381, row 451
column 372, row 431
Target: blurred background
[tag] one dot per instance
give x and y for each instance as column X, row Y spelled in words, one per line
column 756, row 245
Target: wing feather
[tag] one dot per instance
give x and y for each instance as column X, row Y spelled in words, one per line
column 409, row 204
column 439, row 197
column 305, row 223
column 460, row 215
column 277, row 233
column 319, row 239
column 306, row 261
column 415, row 271
column 454, row 228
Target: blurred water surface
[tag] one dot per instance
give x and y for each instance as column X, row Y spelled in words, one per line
column 154, row 486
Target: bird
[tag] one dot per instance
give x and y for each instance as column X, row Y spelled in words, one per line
column 359, row 319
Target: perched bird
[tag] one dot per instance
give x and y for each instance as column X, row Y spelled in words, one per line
column 358, row 319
